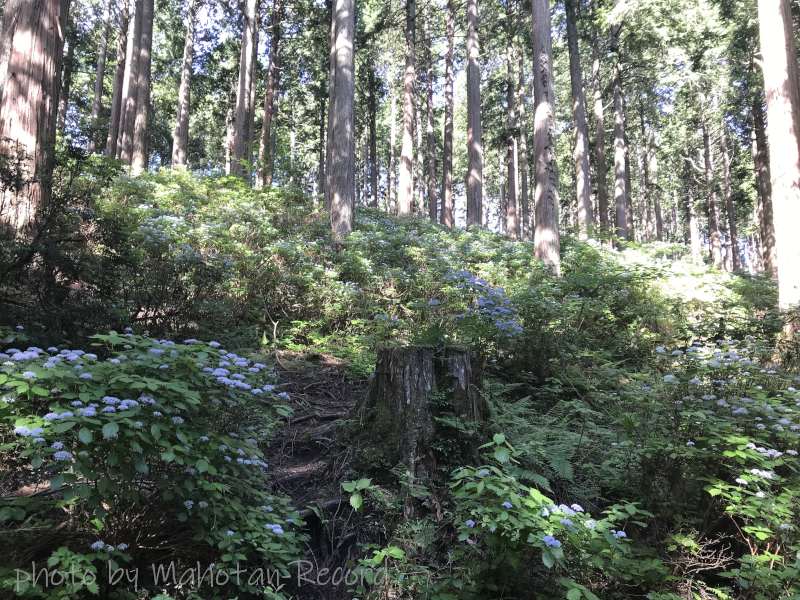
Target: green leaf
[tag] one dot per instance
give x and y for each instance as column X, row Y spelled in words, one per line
column 40, row 391
column 548, row 559
column 501, row 454
column 356, row 501
column 574, row 594
column 110, row 430
column 85, row 435
column 57, row 481
column 499, row 438
column 62, row 427
column 168, row 456
column 349, row 486
column 363, row 484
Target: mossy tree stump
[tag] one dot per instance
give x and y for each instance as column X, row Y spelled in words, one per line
column 395, row 419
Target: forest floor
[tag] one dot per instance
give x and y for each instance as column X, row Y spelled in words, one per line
column 307, row 463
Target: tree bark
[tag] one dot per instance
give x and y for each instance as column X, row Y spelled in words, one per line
column 391, row 206
column 432, row 199
column 11, row 13
column 599, row 128
column 140, row 155
column 693, row 231
column 373, row 139
column 396, row 416
column 29, row 105
column 547, row 237
column 713, row 211
column 523, row 132
column 100, row 76
column 736, row 262
column 656, row 189
column 129, row 89
column 342, row 165
column 780, row 69
column 475, row 191
column 620, row 188
column 266, row 164
column 321, row 167
column 181, row 137
column 758, row 141
column 405, row 190
column 580, row 155
column 447, row 217
column 244, row 111
column 420, row 167
column 644, row 189
column 67, row 68
column 512, row 203
column 629, row 230
column 331, row 91
column 119, row 78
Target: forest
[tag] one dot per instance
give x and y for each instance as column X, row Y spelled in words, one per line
column 393, row 299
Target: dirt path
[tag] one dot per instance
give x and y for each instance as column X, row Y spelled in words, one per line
column 307, row 463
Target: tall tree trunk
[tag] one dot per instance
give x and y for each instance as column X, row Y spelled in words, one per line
column 620, row 188
column 512, row 206
column 228, row 143
column 656, row 189
column 326, row 200
column 67, row 69
column 693, row 230
column 293, row 140
column 736, row 262
column 713, row 210
column 321, row 167
column 181, row 138
column 599, row 129
column 266, row 163
column 581, row 153
column 420, row 168
column 523, row 132
column 758, row 140
column 447, row 217
column 11, row 12
column 780, row 69
column 629, row 230
column 547, row 237
column 29, row 105
column 391, row 204
column 644, row 189
column 405, row 189
column 502, row 204
column 432, row 199
column 342, row 167
column 119, row 78
column 244, row 111
column 100, row 76
column 365, row 168
column 373, row 141
column 475, row 191
column 129, row 88
column 139, row 158
column 250, row 145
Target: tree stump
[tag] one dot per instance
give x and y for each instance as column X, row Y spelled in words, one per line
column 395, row 419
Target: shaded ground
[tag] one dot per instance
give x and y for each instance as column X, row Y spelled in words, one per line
column 308, row 463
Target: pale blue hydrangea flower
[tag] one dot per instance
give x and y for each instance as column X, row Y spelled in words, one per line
column 29, row 375
column 62, row 455
column 98, row 546
column 566, row 522
column 549, row 540
column 85, row 375
column 507, row 505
